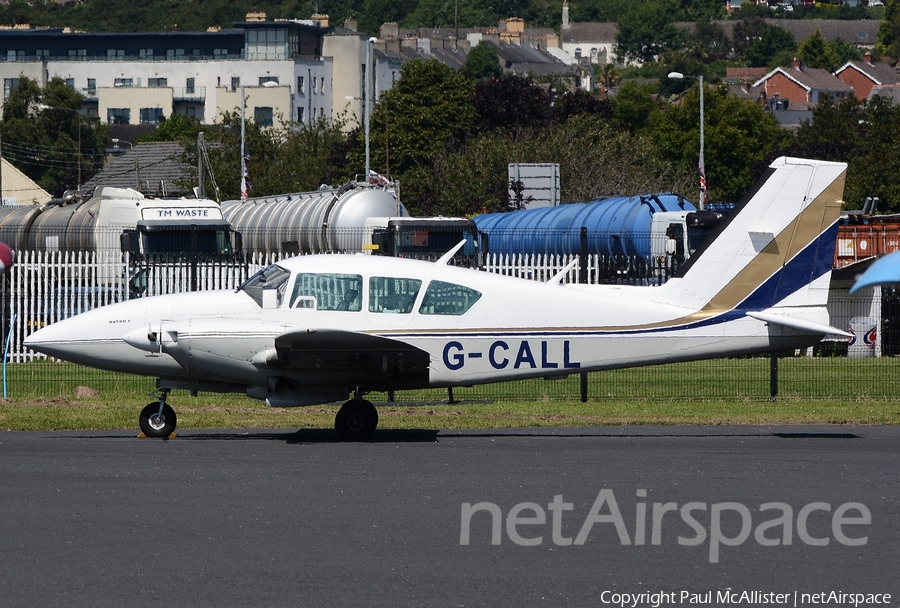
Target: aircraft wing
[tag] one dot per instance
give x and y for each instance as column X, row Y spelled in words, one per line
column 347, row 357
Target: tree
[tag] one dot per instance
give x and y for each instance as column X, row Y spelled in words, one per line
column 815, row 52
column 599, row 10
column 42, row 129
column 844, row 51
column 711, row 39
column 750, row 10
column 874, row 168
column 482, row 62
column 511, row 102
column 596, row 161
column 646, row 29
column 295, row 159
column 746, row 32
column 440, row 13
column 834, row 132
column 428, row 109
column 376, row 12
column 772, row 41
column 889, row 31
column 634, row 104
column 177, row 127
column 580, row 102
column 706, row 10
column 608, row 75
column 737, row 133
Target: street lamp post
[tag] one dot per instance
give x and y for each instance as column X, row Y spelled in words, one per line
column 700, row 167
column 368, row 97
column 42, row 107
column 137, row 167
column 116, row 143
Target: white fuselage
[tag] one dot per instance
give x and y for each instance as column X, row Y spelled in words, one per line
column 516, row 329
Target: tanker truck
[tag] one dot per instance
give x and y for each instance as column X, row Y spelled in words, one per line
column 357, row 217
column 328, row 220
column 117, row 220
column 637, row 237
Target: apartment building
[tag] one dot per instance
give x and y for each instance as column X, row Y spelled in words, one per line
column 137, row 78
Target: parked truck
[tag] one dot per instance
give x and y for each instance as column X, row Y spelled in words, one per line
column 424, row 238
column 117, row 220
column 634, row 234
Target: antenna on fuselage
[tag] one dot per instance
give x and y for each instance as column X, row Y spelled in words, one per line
column 559, row 276
column 449, row 255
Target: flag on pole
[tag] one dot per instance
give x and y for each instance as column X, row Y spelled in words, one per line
column 702, row 182
column 378, row 179
column 246, row 186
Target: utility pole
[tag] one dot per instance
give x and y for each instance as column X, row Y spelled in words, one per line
column 201, row 177
column 244, row 188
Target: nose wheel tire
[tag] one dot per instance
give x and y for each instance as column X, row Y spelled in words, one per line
column 155, row 423
column 356, row 420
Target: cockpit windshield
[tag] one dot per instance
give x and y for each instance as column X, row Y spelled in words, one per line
column 269, row 278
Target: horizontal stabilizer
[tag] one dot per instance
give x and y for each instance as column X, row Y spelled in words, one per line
column 801, row 324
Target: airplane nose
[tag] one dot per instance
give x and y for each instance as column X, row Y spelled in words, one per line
column 55, row 340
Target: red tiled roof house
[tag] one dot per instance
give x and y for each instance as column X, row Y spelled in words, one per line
column 864, row 75
column 801, row 86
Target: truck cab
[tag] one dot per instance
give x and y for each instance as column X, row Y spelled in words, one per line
column 424, row 238
column 179, row 230
column 676, row 235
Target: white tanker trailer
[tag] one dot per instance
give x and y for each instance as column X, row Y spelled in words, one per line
column 357, row 217
column 328, row 220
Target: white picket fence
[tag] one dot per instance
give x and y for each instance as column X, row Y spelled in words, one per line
column 45, row 287
column 600, row 269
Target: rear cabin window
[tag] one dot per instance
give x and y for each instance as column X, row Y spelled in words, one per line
column 393, row 295
column 331, row 291
column 447, row 299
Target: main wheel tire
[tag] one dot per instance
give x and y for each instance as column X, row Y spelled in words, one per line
column 156, row 424
column 356, row 420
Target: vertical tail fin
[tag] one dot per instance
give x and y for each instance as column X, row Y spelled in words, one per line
column 777, row 248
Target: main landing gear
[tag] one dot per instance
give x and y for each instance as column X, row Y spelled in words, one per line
column 357, row 419
column 158, row 419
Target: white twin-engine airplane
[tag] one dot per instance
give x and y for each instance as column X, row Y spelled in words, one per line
column 317, row 328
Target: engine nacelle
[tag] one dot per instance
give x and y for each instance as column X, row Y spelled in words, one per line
column 288, row 397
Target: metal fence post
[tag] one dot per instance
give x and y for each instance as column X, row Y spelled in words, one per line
column 583, row 278
column 773, row 376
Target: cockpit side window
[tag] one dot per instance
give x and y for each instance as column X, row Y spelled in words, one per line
column 393, row 295
column 271, row 277
column 331, row 291
column 448, row 299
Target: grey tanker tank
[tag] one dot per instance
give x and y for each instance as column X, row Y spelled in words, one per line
column 323, row 221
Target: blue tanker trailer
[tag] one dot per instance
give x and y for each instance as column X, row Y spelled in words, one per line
column 636, row 238
column 641, row 225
